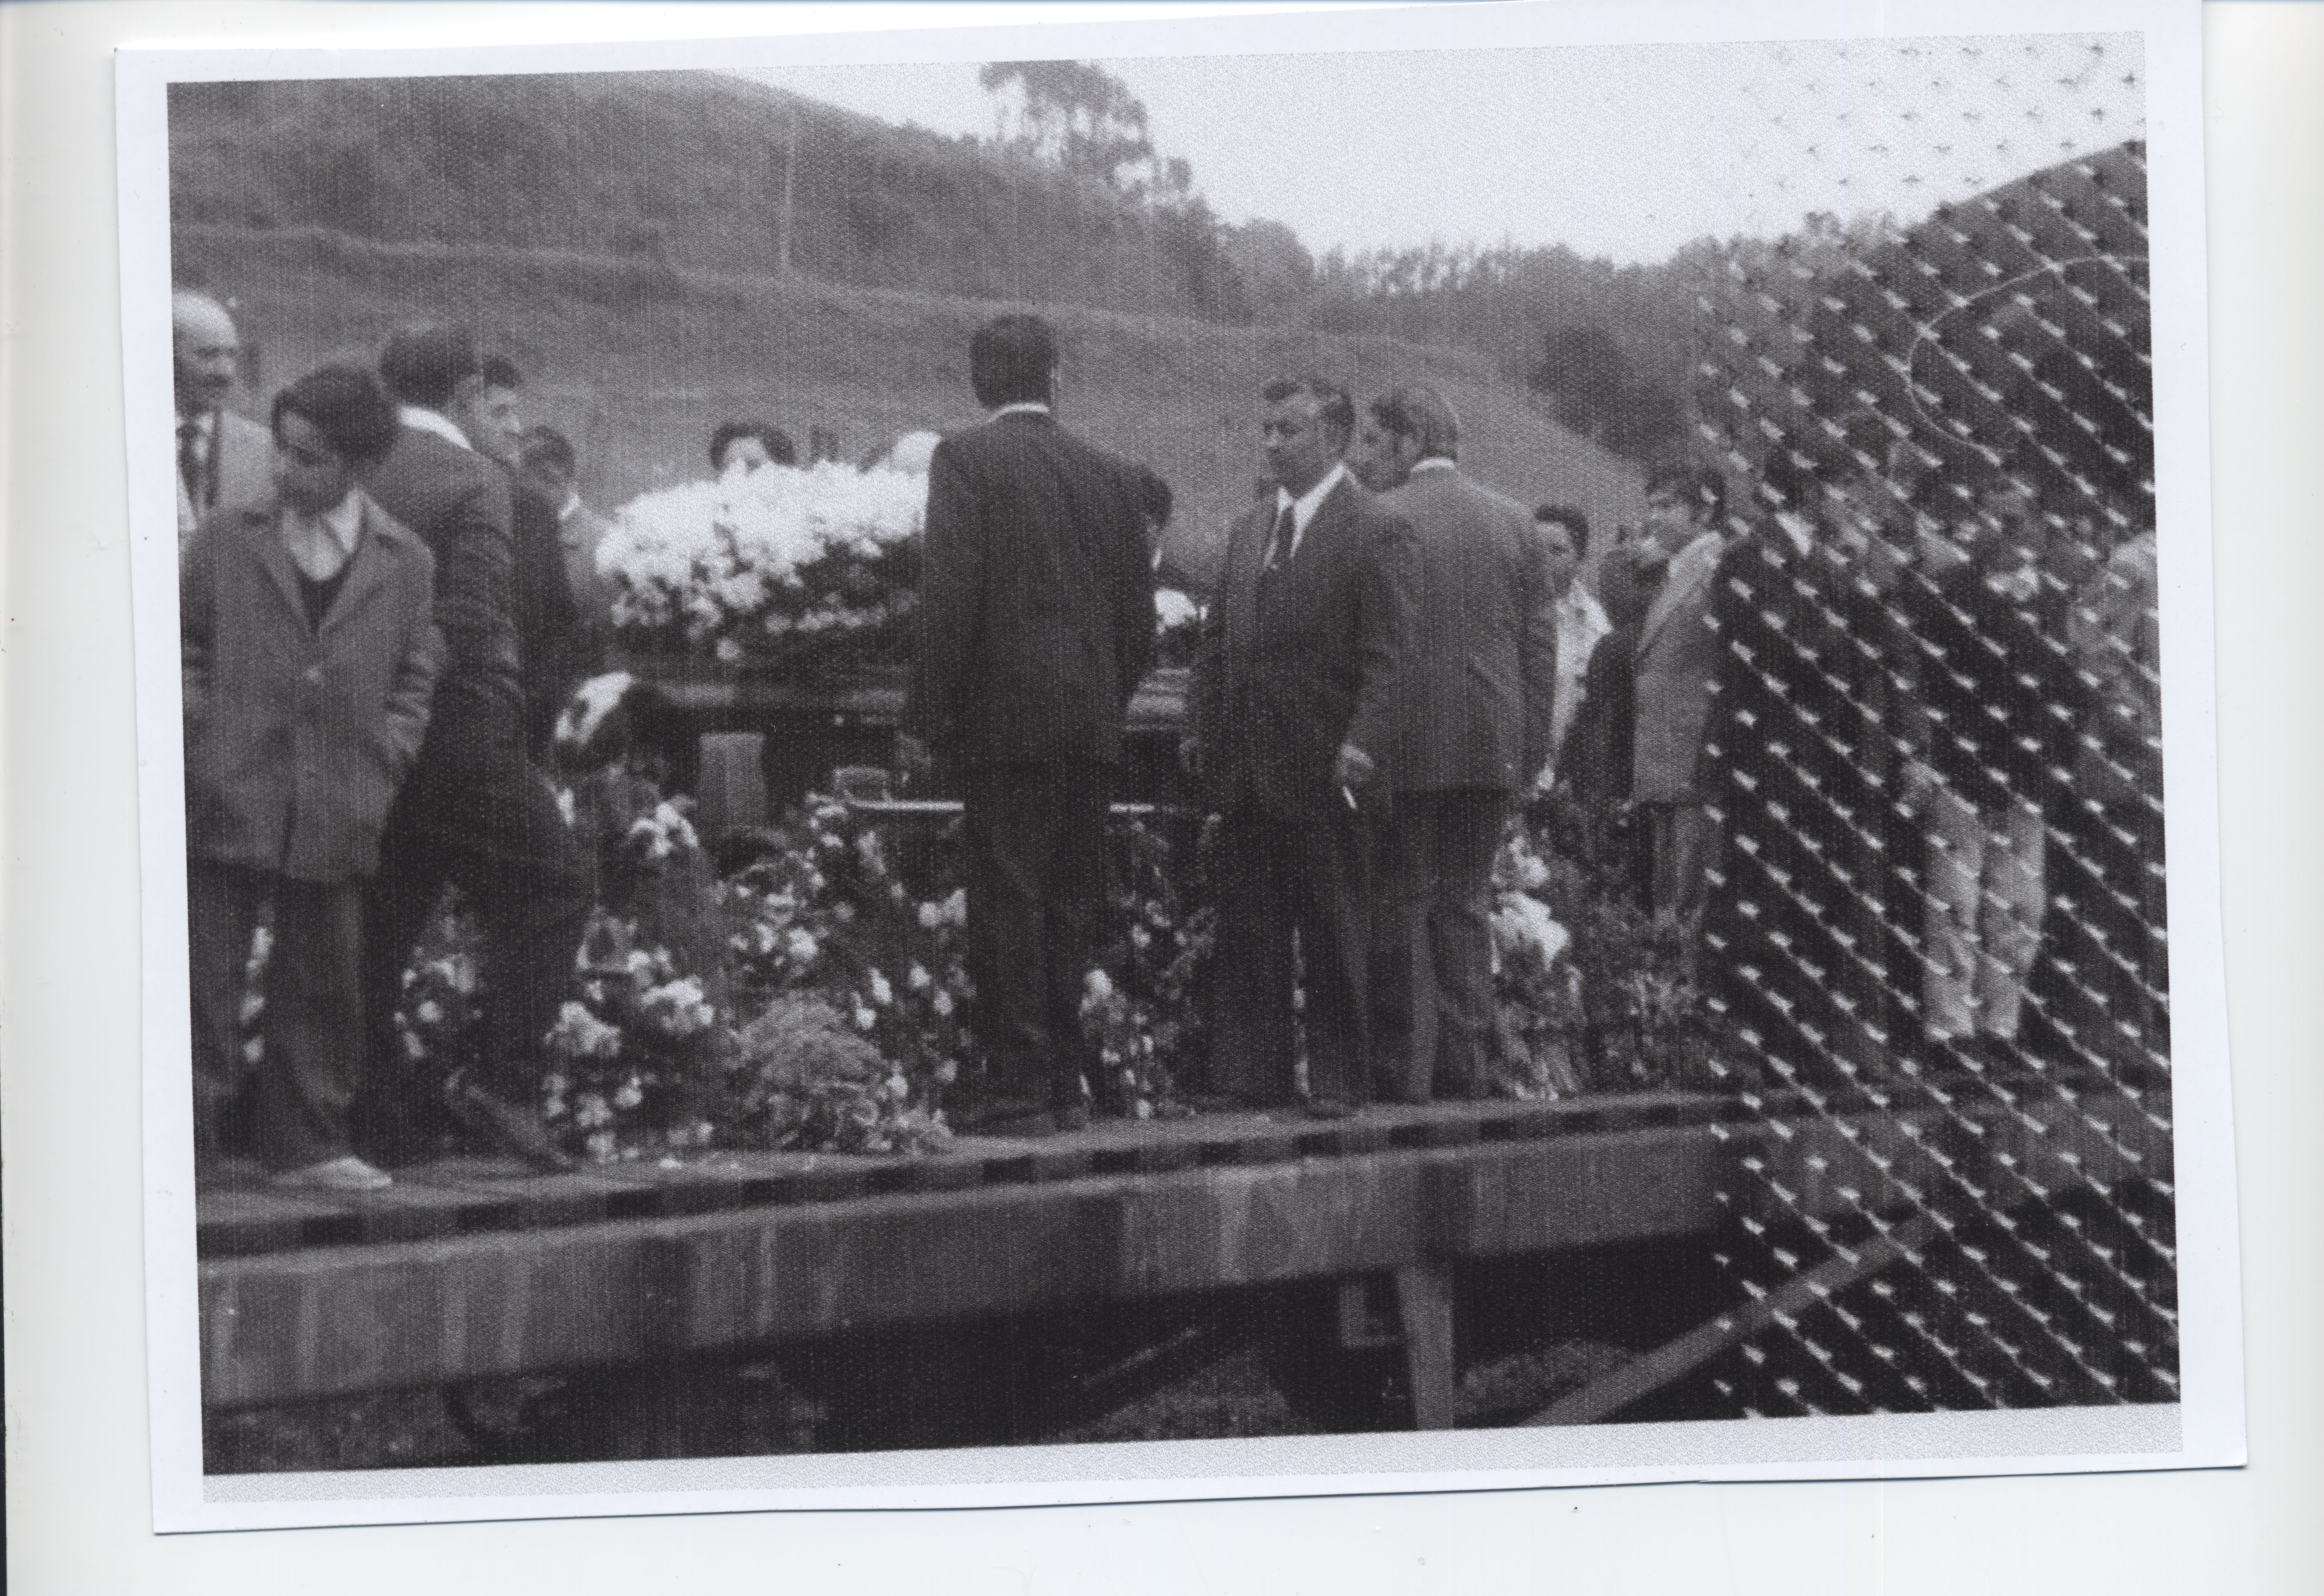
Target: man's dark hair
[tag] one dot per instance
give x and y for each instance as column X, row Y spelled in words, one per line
column 1334, row 408
column 498, row 371
column 545, row 446
column 344, row 405
column 425, row 365
column 1700, row 487
column 1010, row 361
column 1423, row 415
column 780, row 447
column 1572, row 520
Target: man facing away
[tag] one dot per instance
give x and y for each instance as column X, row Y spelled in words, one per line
column 1686, row 511
column 1035, row 624
column 309, row 654
column 223, row 458
column 476, row 813
column 1294, row 706
column 1473, row 731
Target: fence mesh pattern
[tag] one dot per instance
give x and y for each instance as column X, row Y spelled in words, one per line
column 1934, row 937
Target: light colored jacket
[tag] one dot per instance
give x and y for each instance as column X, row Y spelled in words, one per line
column 1677, row 654
column 297, row 736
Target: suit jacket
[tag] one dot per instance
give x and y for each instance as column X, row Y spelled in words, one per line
column 297, row 735
column 457, row 503
column 1677, row 651
column 1297, row 661
column 1036, row 612
column 1480, row 675
column 241, row 472
column 1594, row 764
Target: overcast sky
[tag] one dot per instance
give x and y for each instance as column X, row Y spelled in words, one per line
column 1626, row 152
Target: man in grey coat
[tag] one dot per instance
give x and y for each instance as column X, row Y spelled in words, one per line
column 1473, row 731
column 1686, row 513
column 223, row 458
column 309, row 655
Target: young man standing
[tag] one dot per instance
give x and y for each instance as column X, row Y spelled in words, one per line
column 310, row 656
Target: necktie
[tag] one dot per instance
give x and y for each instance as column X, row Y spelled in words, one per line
column 191, row 463
column 1279, row 547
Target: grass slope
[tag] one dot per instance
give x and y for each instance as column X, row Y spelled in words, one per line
column 638, row 361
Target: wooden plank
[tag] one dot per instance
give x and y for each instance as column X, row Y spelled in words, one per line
column 237, row 1223
column 1603, row 1398
column 1423, row 1308
column 1214, row 1229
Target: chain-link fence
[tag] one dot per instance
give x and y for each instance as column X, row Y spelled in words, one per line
column 1933, row 934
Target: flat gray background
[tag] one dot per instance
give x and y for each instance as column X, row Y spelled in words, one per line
column 78, row 1513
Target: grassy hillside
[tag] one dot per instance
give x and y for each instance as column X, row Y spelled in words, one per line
column 638, row 361
column 686, row 167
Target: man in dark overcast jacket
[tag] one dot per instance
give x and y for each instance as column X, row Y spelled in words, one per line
column 475, row 814
column 1036, row 623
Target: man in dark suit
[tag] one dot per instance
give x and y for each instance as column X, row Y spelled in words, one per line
column 1036, row 623
column 1478, row 691
column 223, row 458
column 1294, row 704
column 476, row 813
column 556, row 649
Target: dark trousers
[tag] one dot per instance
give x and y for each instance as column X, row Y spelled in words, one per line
column 1432, row 947
column 312, row 1025
column 492, row 829
column 1293, row 911
column 1033, row 838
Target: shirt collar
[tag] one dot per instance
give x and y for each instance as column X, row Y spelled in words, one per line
column 1433, row 463
column 203, row 422
column 424, row 420
column 1303, row 508
column 572, row 503
column 342, row 522
column 1023, row 407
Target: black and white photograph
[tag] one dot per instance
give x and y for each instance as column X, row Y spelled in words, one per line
column 1376, row 751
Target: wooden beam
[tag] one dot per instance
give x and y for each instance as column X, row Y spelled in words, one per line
column 1603, row 1398
column 1424, row 1307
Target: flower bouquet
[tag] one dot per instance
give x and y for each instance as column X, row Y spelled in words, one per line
column 771, row 566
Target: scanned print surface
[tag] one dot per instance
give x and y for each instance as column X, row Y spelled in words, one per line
column 914, row 775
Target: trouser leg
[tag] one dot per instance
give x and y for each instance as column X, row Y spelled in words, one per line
column 2013, row 898
column 396, row 903
column 1073, row 899
column 1468, row 836
column 314, row 1029
column 221, row 911
column 1953, row 872
column 1404, row 1008
column 1252, row 1027
column 1332, row 899
column 1005, row 832
column 522, row 875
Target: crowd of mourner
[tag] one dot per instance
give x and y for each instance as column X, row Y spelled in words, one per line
column 1828, row 729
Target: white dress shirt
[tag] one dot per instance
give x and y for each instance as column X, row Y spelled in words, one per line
column 435, row 421
column 1303, row 508
column 321, row 545
column 1581, row 625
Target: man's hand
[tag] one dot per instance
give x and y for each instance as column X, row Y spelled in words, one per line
column 1354, row 769
column 913, row 760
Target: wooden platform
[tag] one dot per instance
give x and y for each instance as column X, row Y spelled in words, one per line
column 472, row 1269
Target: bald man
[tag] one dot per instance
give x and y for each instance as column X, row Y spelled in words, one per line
column 223, row 458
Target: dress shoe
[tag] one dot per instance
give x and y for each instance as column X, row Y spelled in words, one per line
column 349, row 1173
column 510, row 1128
